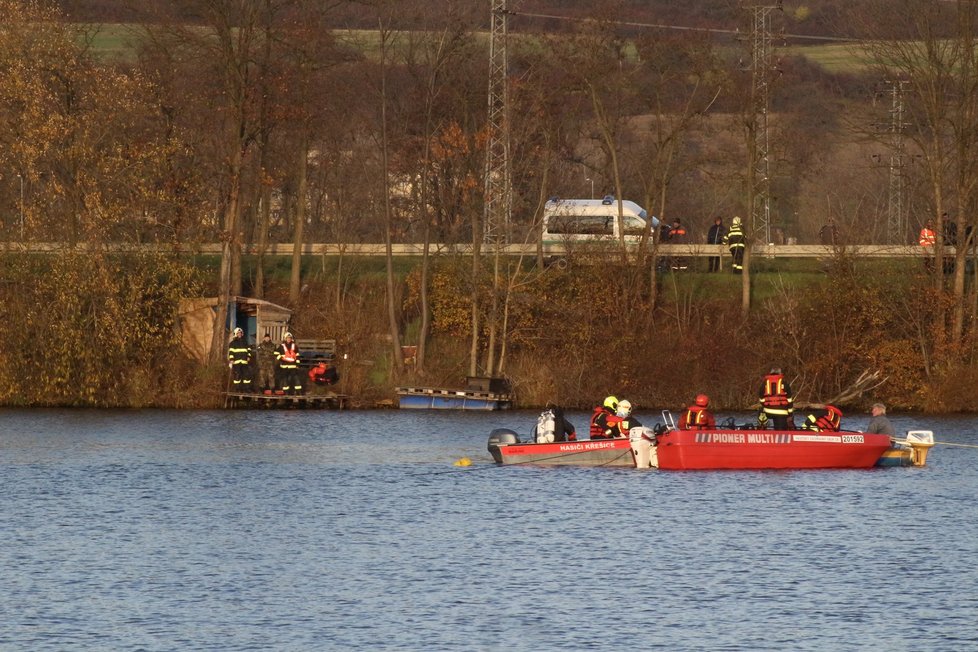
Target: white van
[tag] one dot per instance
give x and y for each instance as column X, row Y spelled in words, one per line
column 589, row 220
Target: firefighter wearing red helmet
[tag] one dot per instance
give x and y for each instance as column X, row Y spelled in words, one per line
column 697, row 416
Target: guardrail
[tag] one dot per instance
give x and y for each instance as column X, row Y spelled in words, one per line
column 358, row 249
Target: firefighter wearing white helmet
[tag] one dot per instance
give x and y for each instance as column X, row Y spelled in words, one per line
column 239, row 360
column 288, row 364
column 736, row 242
column 612, row 419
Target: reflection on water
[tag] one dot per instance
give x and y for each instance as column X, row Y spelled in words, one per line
column 314, row 530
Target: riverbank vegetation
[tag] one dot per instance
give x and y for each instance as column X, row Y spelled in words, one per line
column 249, row 123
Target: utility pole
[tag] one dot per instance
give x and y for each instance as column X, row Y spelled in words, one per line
column 761, row 66
column 497, row 182
column 895, row 214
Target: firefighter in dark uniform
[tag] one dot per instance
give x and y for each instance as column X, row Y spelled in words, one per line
column 288, row 364
column 239, row 359
column 777, row 403
column 736, row 242
column 697, row 416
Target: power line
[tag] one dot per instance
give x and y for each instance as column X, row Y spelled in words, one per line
column 684, row 28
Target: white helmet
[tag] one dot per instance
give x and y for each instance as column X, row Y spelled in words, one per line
column 238, row 331
column 288, row 335
column 624, row 409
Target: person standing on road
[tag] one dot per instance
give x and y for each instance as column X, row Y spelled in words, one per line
column 715, row 236
column 736, row 242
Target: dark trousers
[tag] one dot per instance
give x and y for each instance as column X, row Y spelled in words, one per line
column 291, row 380
column 714, row 263
column 241, row 377
column 780, row 421
column 738, row 259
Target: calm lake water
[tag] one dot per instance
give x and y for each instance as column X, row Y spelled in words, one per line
column 309, row 530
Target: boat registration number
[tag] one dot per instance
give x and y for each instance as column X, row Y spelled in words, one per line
column 852, row 439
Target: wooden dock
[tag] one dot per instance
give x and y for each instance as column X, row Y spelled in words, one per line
column 286, row 402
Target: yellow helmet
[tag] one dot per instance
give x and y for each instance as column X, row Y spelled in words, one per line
column 611, row 403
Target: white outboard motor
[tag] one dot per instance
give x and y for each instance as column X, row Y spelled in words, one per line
column 642, row 441
column 921, row 441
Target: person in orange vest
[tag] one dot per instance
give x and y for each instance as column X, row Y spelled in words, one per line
column 323, row 374
column 697, row 416
column 928, row 240
column 600, row 427
column 927, row 236
column 777, row 403
column 830, row 421
column 288, row 364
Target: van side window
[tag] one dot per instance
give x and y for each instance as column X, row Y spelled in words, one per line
column 634, row 225
column 581, row 224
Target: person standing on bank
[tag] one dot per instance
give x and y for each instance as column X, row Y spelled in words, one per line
column 288, row 364
column 777, row 404
column 736, row 242
column 714, row 237
column 239, row 359
column 880, row 424
column 266, row 364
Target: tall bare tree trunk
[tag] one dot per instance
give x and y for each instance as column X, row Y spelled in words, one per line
column 219, row 334
column 398, row 356
column 295, row 278
column 474, row 297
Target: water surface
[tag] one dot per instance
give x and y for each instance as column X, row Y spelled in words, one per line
column 311, row 530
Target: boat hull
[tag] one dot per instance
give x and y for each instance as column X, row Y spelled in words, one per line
column 686, row 450
column 769, row 449
column 591, row 452
column 427, row 398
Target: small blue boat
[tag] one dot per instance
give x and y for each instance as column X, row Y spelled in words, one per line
column 431, row 398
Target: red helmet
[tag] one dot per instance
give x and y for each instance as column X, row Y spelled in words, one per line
column 702, row 400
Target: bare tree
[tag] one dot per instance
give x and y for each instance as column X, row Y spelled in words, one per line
column 937, row 58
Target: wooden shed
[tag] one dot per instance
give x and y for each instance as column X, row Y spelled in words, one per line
column 195, row 321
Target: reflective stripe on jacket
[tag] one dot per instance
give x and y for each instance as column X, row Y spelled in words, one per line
column 775, row 395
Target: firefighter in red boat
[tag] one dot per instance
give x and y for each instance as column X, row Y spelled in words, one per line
column 697, row 416
column 777, row 403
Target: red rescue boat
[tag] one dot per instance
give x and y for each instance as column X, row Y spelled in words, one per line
column 768, row 449
column 720, row 448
